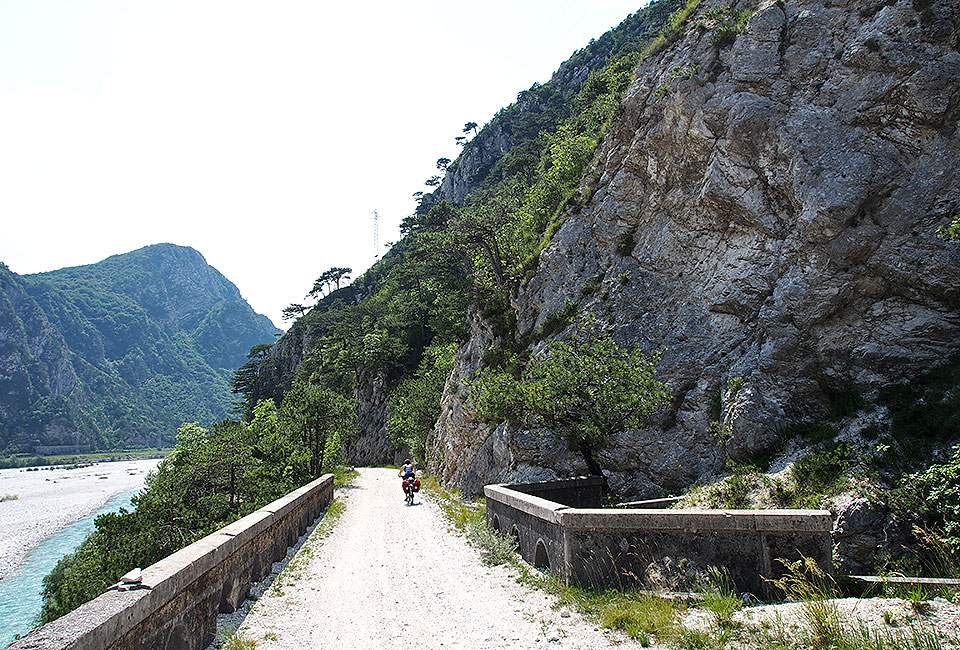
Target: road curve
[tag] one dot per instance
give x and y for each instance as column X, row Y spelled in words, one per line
column 392, row 575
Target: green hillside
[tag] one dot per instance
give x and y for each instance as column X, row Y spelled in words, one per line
column 120, row 352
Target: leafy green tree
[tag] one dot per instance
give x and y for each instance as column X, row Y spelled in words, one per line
column 329, row 280
column 585, row 390
column 321, row 416
column 470, row 126
column 214, row 476
column 295, row 310
column 283, row 461
column 415, row 402
column 433, row 181
column 443, row 163
column 257, row 379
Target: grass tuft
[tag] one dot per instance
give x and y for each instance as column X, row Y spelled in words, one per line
column 238, row 641
column 720, row 597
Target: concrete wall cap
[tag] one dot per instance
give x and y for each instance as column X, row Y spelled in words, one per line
column 774, row 521
column 557, row 484
column 536, row 506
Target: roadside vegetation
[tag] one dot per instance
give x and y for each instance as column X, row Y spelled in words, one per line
column 213, row 477
column 714, row 615
column 902, row 455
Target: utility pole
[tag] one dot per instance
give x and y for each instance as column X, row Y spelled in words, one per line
column 376, row 235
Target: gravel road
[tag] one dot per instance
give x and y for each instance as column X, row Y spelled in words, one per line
column 392, row 575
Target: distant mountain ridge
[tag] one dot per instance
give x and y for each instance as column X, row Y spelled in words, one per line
column 121, row 351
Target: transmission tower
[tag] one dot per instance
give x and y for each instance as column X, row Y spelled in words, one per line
column 376, row 235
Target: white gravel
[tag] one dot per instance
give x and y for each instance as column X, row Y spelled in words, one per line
column 49, row 500
column 393, row 575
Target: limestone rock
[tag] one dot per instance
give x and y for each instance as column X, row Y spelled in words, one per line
column 860, row 528
column 784, row 201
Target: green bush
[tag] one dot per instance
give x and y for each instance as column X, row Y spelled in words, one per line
column 824, row 470
column 415, row 402
column 923, row 413
column 938, row 488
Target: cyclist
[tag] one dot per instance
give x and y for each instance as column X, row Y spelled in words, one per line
column 408, row 470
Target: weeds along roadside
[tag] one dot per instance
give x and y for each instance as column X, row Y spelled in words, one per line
column 293, row 571
column 641, row 616
column 231, row 638
column 710, row 620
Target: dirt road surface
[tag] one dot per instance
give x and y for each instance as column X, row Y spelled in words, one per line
column 395, row 576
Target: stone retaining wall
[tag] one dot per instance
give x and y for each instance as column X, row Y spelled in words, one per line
column 582, row 492
column 630, row 548
column 183, row 593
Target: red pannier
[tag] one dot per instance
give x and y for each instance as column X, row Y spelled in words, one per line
column 416, row 484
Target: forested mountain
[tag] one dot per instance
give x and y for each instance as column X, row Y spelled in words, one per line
column 754, row 190
column 120, row 352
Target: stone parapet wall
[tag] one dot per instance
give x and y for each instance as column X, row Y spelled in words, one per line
column 182, row 594
column 630, row 548
column 581, row 492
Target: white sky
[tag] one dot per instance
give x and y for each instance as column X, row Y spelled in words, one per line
column 263, row 134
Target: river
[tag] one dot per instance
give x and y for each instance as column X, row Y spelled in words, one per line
column 20, row 592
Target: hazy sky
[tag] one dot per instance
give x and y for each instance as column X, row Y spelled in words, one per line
column 263, row 134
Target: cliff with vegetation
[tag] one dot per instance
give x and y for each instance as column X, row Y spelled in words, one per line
column 753, row 191
column 765, row 210
column 715, row 255
column 120, row 352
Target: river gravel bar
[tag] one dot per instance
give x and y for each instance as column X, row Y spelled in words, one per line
column 38, row 503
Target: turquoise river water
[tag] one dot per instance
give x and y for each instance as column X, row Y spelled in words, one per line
column 20, row 599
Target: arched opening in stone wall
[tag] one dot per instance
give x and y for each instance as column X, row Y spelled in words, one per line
column 229, row 596
column 540, row 559
column 496, row 523
column 515, row 533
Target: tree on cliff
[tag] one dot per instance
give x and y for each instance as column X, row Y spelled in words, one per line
column 321, row 416
column 329, row 281
column 295, row 310
column 257, row 379
column 584, row 390
column 415, row 402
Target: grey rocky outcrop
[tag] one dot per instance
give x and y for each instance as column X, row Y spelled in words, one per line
column 764, row 209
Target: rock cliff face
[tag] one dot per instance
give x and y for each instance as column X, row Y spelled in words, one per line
column 34, row 358
column 121, row 351
column 372, row 446
column 764, row 209
column 540, row 107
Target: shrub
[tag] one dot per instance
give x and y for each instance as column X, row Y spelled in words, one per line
column 822, row 471
column 626, row 242
column 939, row 491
